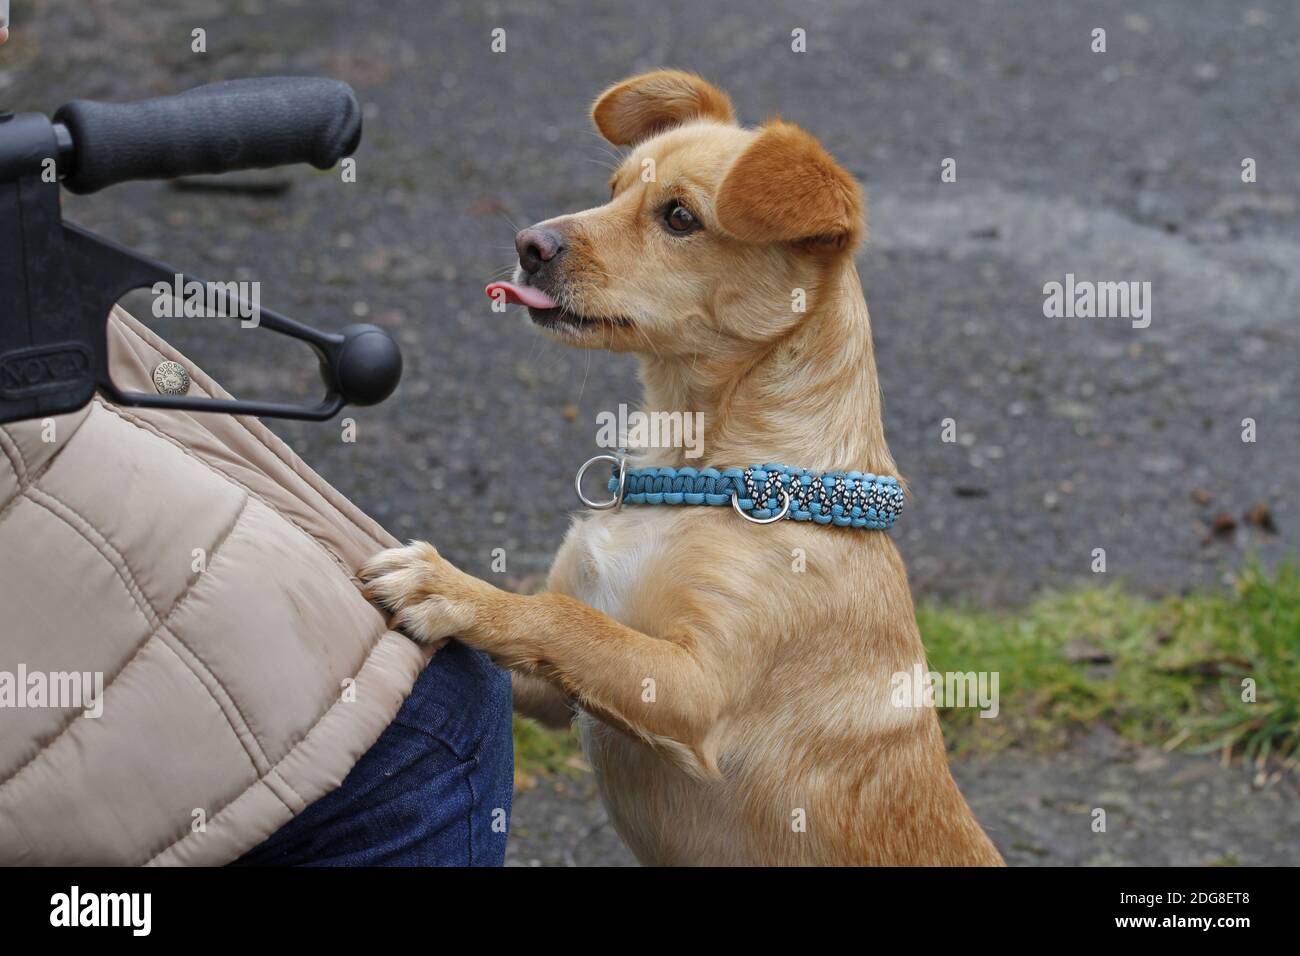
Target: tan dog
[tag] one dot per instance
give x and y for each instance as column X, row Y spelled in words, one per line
column 736, row 710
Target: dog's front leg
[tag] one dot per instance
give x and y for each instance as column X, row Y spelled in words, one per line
column 657, row 689
column 541, row 699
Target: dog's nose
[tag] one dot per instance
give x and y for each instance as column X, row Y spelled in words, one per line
column 537, row 246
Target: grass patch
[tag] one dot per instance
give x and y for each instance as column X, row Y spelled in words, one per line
column 540, row 751
column 1165, row 672
column 1160, row 672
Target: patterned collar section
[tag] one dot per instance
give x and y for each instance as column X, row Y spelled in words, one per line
column 767, row 493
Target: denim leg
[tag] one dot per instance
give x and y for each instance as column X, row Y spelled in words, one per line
column 434, row 790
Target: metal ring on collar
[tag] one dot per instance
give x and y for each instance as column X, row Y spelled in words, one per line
column 785, row 509
column 617, row 501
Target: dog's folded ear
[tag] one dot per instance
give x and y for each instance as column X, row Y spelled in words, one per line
column 643, row 106
column 786, row 188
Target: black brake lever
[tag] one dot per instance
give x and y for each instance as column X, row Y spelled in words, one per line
column 360, row 365
column 58, row 282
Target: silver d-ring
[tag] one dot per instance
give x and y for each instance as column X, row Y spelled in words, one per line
column 785, row 509
column 615, row 502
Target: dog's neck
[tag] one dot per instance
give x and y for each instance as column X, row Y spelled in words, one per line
column 809, row 399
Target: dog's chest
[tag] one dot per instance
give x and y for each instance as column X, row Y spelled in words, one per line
column 608, row 561
column 605, row 560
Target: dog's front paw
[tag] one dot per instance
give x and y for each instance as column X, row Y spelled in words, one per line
column 430, row 598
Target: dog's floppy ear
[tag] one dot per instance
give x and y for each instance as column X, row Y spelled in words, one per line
column 784, row 188
column 644, row 105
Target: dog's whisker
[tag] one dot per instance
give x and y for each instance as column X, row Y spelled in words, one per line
column 614, row 157
column 587, row 370
column 513, row 225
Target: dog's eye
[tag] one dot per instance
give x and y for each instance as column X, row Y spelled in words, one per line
column 680, row 219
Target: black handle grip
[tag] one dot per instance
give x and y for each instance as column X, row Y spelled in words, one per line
column 218, row 128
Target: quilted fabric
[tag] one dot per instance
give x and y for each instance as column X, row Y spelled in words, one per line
column 198, row 565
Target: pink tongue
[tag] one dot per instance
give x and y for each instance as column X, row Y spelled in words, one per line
column 520, row 295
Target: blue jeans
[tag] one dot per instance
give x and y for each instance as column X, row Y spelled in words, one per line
column 434, row 790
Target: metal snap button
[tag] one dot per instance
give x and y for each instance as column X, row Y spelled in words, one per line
column 171, row 378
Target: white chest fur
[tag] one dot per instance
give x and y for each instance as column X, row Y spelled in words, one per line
column 611, row 556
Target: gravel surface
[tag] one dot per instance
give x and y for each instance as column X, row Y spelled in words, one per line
column 1072, row 434
column 1160, row 810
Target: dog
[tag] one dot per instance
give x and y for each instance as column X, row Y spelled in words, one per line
column 732, row 680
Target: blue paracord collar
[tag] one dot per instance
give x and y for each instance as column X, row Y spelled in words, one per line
column 764, row 493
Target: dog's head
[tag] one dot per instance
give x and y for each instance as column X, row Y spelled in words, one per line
column 711, row 234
